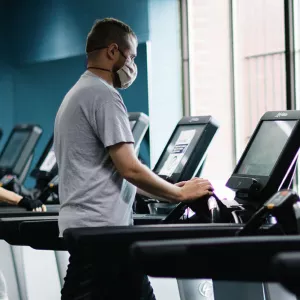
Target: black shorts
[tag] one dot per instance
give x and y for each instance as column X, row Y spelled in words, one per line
column 91, row 279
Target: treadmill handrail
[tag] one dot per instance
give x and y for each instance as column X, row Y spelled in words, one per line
column 229, row 258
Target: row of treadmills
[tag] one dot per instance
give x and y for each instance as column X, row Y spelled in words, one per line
column 252, row 239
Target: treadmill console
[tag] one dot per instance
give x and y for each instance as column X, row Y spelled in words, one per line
column 17, row 153
column 268, row 162
column 186, row 150
column 7, row 181
column 46, row 168
column 139, row 123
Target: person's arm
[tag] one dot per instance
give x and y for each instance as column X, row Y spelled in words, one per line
column 151, row 196
column 15, row 199
column 126, row 162
column 9, row 197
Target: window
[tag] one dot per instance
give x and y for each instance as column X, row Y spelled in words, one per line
column 259, row 59
column 237, row 71
column 297, row 69
column 297, row 48
column 210, row 80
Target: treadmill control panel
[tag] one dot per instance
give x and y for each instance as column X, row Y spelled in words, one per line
column 280, row 198
column 54, row 182
column 7, row 180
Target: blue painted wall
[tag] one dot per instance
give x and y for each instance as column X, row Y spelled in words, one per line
column 38, row 91
column 56, row 29
column 6, row 82
column 165, row 80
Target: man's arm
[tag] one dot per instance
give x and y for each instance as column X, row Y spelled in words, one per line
column 143, row 193
column 126, row 162
column 150, row 196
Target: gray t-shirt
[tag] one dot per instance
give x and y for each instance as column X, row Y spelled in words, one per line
column 92, row 193
column 3, row 288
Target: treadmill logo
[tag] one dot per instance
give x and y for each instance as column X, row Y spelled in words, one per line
column 281, row 114
column 194, row 120
column 205, row 289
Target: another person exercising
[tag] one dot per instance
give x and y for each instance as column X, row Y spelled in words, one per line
column 97, row 162
column 22, row 201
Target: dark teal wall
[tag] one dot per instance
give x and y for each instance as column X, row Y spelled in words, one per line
column 165, row 96
column 38, row 91
column 6, row 81
column 55, row 29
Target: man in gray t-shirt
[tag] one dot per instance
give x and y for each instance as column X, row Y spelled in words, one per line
column 97, row 162
column 91, row 118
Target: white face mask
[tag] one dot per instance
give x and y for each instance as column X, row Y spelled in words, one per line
column 127, row 74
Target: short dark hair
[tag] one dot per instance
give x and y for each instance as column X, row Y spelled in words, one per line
column 107, row 31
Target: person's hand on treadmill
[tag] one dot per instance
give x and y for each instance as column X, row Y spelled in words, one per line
column 195, row 189
column 33, row 205
column 22, row 201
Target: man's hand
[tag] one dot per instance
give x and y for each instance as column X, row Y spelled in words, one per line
column 180, row 184
column 129, row 167
column 195, row 188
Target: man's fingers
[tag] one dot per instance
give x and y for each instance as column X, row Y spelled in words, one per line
column 206, row 185
column 196, row 178
column 44, row 208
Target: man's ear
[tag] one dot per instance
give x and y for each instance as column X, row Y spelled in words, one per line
column 112, row 50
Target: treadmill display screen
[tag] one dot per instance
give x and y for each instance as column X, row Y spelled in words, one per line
column 179, row 150
column 266, row 148
column 49, row 161
column 14, row 148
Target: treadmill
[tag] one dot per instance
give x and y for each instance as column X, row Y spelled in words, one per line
column 43, row 172
column 46, row 167
column 17, row 153
column 272, row 258
column 139, row 123
column 182, row 159
column 275, row 171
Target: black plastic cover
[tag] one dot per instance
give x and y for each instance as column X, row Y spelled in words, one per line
column 22, row 140
column 190, row 164
column 255, row 189
column 37, row 173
